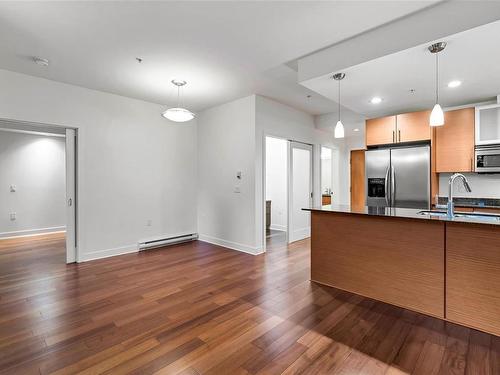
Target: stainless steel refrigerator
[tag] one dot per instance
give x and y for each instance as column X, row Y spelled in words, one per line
column 398, row 177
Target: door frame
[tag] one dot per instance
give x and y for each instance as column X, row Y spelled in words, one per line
column 334, row 158
column 264, row 186
column 307, row 147
column 262, row 203
column 71, row 175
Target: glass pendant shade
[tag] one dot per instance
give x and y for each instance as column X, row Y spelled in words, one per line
column 339, row 127
column 339, row 130
column 178, row 114
column 437, row 116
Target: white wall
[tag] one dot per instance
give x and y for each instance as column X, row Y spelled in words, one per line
column 482, row 185
column 134, row 165
column 276, row 180
column 226, row 145
column 342, row 153
column 35, row 164
column 326, row 169
column 231, row 138
column 276, row 119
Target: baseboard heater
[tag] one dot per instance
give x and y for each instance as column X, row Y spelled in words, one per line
column 167, row 241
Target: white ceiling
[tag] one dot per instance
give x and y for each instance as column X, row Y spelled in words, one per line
column 472, row 57
column 225, row 50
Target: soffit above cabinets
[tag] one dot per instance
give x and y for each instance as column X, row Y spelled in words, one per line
column 405, row 80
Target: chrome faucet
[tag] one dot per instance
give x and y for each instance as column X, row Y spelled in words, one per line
column 450, row 208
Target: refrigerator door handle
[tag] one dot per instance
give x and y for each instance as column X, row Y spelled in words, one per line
column 393, row 185
column 387, row 191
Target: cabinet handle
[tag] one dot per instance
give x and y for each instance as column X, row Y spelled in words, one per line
column 393, row 134
column 399, row 131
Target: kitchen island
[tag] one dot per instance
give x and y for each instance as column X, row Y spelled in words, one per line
column 448, row 268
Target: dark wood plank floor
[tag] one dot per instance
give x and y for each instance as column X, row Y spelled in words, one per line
column 201, row 309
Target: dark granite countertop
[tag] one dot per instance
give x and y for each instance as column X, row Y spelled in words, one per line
column 471, row 202
column 408, row 213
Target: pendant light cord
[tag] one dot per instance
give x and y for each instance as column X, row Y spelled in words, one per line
column 339, row 100
column 437, row 78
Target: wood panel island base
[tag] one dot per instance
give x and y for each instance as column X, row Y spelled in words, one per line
column 449, row 269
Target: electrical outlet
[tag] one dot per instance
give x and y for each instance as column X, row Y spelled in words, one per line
column 13, row 216
column 13, row 188
column 149, row 223
column 237, row 189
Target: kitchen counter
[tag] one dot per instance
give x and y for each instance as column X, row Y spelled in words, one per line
column 446, row 268
column 408, row 213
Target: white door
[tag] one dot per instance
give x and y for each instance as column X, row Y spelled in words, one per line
column 299, row 191
column 70, row 196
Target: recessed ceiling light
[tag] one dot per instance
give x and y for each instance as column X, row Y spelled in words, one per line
column 356, row 130
column 40, row 61
column 376, row 100
column 454, row 83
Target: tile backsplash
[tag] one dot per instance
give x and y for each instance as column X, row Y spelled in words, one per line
column 482, row 185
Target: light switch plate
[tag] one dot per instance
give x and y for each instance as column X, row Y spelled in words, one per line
column 13, row 188
column 237, row 189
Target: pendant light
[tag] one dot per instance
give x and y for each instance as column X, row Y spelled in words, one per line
column 437, row 115
column 339, row 127
column 178, row 114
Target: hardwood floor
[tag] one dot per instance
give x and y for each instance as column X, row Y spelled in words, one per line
column 197, row 308
column 275, row 239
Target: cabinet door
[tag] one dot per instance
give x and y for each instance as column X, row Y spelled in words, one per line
column 455, row 142
column 358, row 195
column 413, row 127
column 488, row 124
column 381, row 131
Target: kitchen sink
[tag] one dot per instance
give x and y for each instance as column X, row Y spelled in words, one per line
column 433, row 213
column 488, row 217
column 467, row 215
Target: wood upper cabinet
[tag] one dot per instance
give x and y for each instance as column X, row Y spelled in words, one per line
column 413, row 126
column 381, row 131
column 407, row 127
column 455, row 142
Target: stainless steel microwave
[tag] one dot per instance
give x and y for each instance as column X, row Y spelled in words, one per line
column 487, row 159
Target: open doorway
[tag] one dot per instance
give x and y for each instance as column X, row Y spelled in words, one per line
column 288, row 189
column 276, row 192
column 326, row 176
column 37, row 201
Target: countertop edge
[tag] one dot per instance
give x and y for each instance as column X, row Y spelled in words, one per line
column 411, row 216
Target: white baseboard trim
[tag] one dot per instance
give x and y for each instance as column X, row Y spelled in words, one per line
column 231, row 245
column 106, row 253
column 32, row 232
column 281, row 228
column 300, row 234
